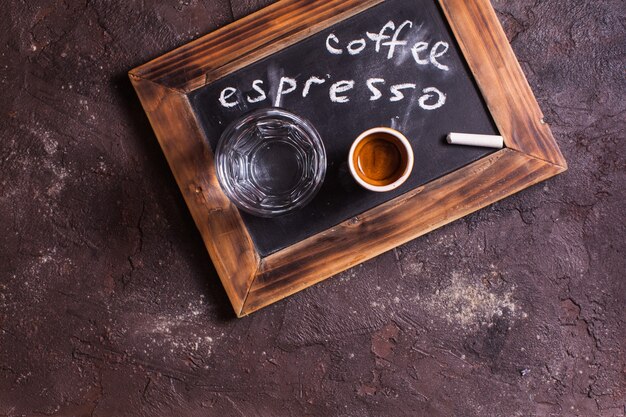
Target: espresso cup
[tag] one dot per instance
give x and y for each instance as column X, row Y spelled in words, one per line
column 381, row 159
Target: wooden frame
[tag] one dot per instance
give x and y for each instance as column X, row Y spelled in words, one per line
column 251, row 281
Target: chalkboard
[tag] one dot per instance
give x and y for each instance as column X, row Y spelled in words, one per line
column 395, row 65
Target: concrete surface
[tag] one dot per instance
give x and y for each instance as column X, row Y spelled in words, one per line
column 109, row 305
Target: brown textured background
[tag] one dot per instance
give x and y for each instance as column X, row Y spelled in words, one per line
column 109, row 305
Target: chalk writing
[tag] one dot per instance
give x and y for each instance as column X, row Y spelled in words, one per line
column 397, row 93
column 352, row 50
column 434, row 55
column 256, row 86
column 379, row 37
column 416, row 49
column 226, row 94
column 309, row 83
column 390, row 39
column 376, row 94
column 340, row 87
column 441, row 98
column 330, row 48
column 282, row 91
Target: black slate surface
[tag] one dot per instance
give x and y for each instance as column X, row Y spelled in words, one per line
column 340, row 123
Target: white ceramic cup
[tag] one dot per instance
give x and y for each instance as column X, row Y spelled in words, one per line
column 407, row 171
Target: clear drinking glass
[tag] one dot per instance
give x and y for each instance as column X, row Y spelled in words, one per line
column 270, row 162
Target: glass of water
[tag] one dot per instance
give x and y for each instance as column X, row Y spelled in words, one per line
column 270, row 162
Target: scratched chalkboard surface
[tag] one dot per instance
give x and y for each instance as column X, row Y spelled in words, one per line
column 394, row 65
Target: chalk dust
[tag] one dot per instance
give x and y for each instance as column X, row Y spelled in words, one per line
column 468, row 302
column 178, row 331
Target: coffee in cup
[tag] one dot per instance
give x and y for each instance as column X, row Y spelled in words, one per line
column 381, row 159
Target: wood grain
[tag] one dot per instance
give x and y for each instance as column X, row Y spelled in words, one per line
column 247, row 41
column 501, row 79
column 191, row 161
column 394, row 223
column 253, row 282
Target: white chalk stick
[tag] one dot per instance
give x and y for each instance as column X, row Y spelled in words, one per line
column 485, row 141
